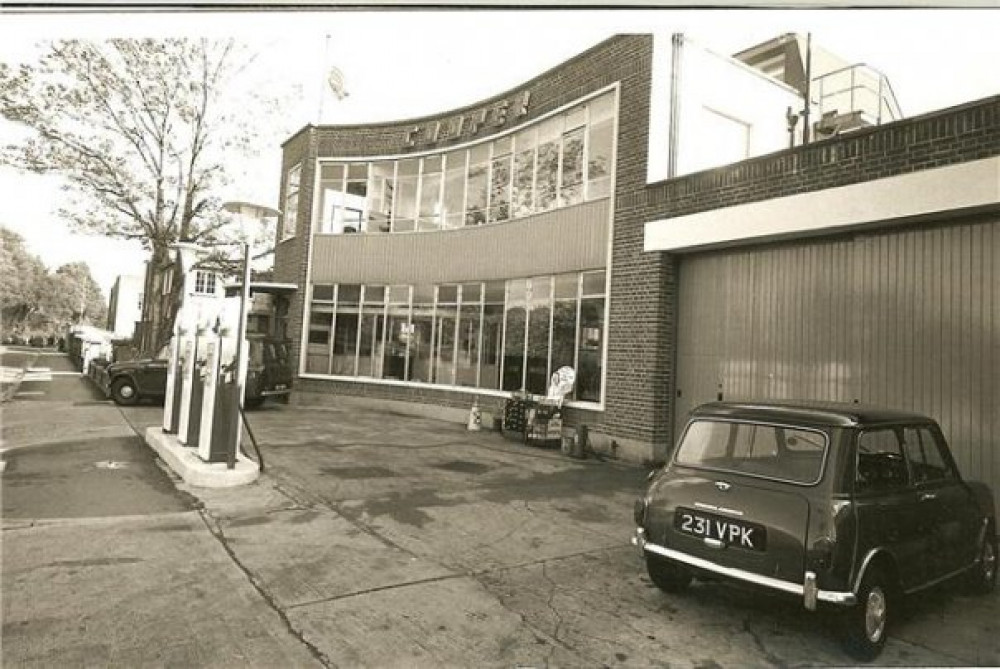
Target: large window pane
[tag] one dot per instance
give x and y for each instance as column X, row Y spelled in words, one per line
column 318, row 346
column 515, row 321
column 381, row 184
column 454, row 190
column 345, row 340
column 331, row 208
column 446, row 320
column 547, row 173
column 591, row 351
column 421, row 331
column 539, row 317
column 500, row 178
column 430, row 195
column 372, row 336
column 500, row 188
column 494, row 294
column 478, row 187
column 355, row 197
column 467, row 365
column 524, row 173
column 345, row 336
column 397, row 333
column 406, row 196
column 564, row 335
column 599, row 157
column 571, row 186
column 291, row 211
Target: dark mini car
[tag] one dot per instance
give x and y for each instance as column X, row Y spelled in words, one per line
column 269, row 374
column 838, row 504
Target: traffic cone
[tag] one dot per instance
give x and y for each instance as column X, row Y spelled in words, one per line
column 475, row 417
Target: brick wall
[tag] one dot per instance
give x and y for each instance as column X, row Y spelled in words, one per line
column 637, row 363
column 959, row 134
column 642, row 292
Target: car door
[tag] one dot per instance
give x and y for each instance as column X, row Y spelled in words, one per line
column 950, row 510
column 152, row 378
column 888, row 510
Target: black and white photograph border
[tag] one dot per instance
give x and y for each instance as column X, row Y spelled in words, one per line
column 364, row 334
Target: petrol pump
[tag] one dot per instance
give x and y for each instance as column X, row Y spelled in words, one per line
column 203, row 338
column 189, row 349
column 213, row 340
column 220, row 421
column 172, row 404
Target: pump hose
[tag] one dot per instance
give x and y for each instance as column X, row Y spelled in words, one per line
column 253, row 440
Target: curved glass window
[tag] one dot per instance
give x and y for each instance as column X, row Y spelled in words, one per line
column 496, row 335
column 557, row 162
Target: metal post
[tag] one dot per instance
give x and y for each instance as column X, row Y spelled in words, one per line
column 805, row 112
column 241, row 352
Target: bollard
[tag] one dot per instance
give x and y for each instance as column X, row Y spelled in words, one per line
column 475, row 417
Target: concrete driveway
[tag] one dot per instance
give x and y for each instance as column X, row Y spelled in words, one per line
column 394, row 541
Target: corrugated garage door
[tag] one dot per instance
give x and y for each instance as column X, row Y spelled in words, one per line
column 906, row 319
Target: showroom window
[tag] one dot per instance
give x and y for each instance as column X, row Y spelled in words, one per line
column 496, row 335
column 560, row 161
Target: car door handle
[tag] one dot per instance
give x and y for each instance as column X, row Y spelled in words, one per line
column 927, row 496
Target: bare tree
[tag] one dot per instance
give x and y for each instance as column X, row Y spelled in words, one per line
column 141, row 130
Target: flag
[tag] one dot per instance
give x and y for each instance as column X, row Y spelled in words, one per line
column 335, row 79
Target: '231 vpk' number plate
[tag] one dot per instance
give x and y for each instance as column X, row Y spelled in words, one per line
column 739, row 534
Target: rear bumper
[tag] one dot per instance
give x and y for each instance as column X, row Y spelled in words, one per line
column 808, row 590
column 276, row 393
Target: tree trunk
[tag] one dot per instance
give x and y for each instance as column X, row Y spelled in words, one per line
column 164, row 291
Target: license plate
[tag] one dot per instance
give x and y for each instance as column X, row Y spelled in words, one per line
column 280, row 386
column 735, row 533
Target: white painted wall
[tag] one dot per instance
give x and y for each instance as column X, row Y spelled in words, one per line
column 726, row 111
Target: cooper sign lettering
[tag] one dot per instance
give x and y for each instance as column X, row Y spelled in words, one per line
column 471, row 123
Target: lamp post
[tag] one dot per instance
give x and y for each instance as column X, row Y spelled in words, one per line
column 248, row 213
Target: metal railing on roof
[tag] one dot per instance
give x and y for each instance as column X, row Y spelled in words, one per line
column 857, row 88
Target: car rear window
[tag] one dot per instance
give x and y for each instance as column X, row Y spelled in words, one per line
column 772, row 451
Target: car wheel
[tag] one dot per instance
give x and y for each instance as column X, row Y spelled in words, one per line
column 868, row 620
column 123, row 391
column 983, row 576
column 666, row 575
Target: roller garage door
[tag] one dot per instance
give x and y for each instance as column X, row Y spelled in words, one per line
column 907, row 318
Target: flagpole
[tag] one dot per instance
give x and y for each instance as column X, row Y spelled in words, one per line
column 322, row 81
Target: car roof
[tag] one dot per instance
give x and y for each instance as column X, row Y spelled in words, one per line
column 813, row 412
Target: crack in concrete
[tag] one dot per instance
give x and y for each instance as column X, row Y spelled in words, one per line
column 771, row 658
column 378, row 588
column 552, row 608
column 215, row 529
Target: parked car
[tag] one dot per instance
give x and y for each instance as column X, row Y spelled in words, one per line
column 269, row 374
column 842, row 505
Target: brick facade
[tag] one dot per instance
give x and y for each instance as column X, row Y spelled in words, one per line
column 638, row 411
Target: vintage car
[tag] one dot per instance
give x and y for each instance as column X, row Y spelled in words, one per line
column 269, row 374
column 842, row 505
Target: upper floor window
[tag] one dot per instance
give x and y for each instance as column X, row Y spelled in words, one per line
column 291, row 211
column 204, row 283
column 560, row 161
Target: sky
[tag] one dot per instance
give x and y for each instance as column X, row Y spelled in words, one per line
column 403, row 63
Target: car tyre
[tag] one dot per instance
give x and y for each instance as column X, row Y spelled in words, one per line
column 982, row 578
column 667, row 575
column 123, row 391
column 867, row 621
